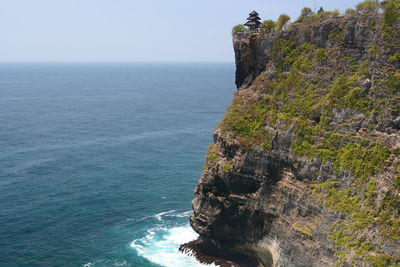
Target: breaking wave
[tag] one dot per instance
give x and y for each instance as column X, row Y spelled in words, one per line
column 160, row 244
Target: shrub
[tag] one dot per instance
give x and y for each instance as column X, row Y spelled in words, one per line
column 305, row 13
column 238, row 28
column 396, row 182
column 268, row 26
column 321, row 55
column 283, row 20
column 368, row 6
column 350, row 11
column 226, row 166
column 212, row 153
column 395, row 57
column 317, row 18
column 393, row 83
column 361, row 161
column 334, row 13
column 305, row 230
column 392, row 12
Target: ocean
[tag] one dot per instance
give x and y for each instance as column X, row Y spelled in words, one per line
column 99, row 161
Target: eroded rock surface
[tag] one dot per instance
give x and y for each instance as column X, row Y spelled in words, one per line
column 304, row 167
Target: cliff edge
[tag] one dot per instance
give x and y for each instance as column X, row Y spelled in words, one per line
column 305, row 165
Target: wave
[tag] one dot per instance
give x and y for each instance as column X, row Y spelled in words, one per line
column 162, row 217
column 106, row 262
column 172, row 213
column 161, row 243
column 160, row 246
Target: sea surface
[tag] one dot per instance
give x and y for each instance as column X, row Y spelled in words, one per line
column 98, row 161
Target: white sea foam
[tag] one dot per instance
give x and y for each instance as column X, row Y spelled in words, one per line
column 106, row 262
column 172, row 213
column 160, row 215
column 161, row 245
column 184, row 214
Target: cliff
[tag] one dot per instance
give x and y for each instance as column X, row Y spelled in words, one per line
column 305, row 166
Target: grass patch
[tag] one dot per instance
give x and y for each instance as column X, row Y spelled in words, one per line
column 226, row 166
column 212, row 154
column 302, row 229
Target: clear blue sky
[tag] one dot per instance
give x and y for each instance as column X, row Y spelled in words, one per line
column 132, row 30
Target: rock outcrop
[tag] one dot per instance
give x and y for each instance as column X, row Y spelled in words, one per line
column 304, row 169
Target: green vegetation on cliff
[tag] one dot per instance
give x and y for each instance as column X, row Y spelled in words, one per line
column 238, row 28
column 319, row 94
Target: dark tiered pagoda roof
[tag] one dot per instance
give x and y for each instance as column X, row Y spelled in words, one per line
column 254, row 17
column 253, row 21
column 254, row 13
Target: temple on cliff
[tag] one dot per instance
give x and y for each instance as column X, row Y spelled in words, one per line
column 253, row 21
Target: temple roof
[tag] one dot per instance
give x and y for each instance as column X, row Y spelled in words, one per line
column 252, row 23
column 254, row 13
column 253, row 18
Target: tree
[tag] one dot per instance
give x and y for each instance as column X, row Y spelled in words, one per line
column 335, row 13
column 268, row 26
column 368, row 6
column 350, row 11
column 238, row 28
column 282, row 21
column 305, row 13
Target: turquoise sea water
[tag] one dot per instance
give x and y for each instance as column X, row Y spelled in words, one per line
column 98, row 162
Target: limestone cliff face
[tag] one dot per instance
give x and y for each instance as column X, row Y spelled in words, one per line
column 354, row 36
column 305, row 163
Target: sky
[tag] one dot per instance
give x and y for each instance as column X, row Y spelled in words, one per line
column 132, row 30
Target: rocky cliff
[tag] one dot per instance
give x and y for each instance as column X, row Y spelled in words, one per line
column 305, row 166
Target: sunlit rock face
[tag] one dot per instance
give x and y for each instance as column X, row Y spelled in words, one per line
column 304, row 168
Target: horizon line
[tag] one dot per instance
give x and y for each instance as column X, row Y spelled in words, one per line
column 200, row 61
